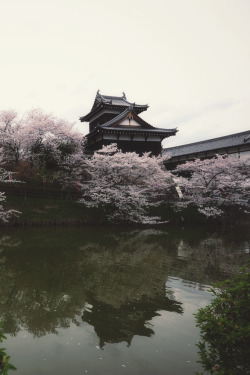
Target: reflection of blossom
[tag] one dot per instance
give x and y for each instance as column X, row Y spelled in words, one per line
column 114, row 277
column 7, row 241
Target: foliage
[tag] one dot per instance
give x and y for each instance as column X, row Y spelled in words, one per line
column 41, row 148
column 225, row 327
column 124, row 185
column 11, row 134
column 38, row 137
column 72, row 170
column 5, row 365
column 214, row 185
column 49, row 140
column 4, row 177
column 51, row 211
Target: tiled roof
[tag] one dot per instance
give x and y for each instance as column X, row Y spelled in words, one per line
column 163, row 133
column 93, row 111
column 110, row 126
column 210, row 144
column 111, row 102
column 138, row 130
column 119, row 117
column 116, row 101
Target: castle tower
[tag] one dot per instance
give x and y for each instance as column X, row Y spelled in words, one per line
column 113, row 119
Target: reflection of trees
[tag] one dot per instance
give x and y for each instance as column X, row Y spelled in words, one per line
column 34, row 295
column 211, row 259
column 47, row 286
column 48, row 277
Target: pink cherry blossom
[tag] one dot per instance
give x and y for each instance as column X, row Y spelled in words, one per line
column 124, row 185
column 214, row 185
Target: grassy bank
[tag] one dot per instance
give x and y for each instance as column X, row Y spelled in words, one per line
column 49, row 211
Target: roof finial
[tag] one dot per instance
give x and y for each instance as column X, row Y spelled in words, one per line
column 98, row 92
column 124, row 96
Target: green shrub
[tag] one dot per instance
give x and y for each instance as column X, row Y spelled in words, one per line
column 224, row 347
column 5, row 365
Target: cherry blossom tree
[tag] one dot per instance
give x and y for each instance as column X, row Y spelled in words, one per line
column 49, row 140
column 72, row 171
column 5, row 178
column 11, row 135
column 40, row 140
column 125, row 185
column 214, row 185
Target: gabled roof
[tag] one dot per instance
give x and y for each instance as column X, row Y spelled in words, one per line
column 113, row 102
column 125, row 114
column 142, row 128
column 232, row 140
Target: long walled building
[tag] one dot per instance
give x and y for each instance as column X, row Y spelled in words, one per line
column 233, row 145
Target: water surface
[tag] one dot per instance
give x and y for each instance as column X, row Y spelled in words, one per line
column 110, row 301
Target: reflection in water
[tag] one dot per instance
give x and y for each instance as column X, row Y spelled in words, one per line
column 125, row 286
column 123, row 278
column 116, row 325
column 115, row 281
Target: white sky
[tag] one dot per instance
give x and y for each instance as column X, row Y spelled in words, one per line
column 188, row 59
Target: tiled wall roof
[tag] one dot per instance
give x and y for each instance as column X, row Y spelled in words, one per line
column 210, row 144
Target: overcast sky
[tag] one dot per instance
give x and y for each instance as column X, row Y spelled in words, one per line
column 188, row 59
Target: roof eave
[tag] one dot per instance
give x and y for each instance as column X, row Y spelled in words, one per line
column 163, row 134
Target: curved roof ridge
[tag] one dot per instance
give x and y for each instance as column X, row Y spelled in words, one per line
column 120, row 116
column 111, row 96
column 122, row 98
column 112, row 102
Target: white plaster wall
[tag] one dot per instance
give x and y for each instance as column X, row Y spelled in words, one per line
column 124, row 137
column 126, row 122
column 139, row 138
column 245, row 155
column 110, row 136
column 154, row 138
column 233, row 155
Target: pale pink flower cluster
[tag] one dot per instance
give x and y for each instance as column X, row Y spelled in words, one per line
column 213, row 185
column 125, row 185
column 39, row 139
column 36, row 135
column 4, row 177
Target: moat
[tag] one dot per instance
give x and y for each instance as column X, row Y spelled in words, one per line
column 110, row 300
